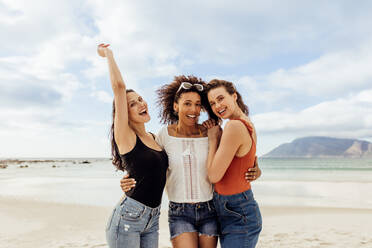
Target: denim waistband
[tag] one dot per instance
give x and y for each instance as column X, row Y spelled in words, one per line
column 248, row 195
column 152, row 211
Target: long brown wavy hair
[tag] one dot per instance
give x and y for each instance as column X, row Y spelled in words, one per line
column 170, row 93
column 230, row 88
column 116, row 158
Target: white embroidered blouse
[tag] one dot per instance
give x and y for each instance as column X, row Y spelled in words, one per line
column 187, row 179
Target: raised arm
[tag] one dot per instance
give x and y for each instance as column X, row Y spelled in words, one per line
column 124, row 135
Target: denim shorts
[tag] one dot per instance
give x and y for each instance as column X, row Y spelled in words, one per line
column 198, row 217
column 240, row 219
column 133, row 224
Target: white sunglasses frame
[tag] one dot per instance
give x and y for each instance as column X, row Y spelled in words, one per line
column 198, row 87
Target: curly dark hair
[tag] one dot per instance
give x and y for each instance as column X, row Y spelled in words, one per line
column 230, row 88
column 116, row 158
column 170, row 93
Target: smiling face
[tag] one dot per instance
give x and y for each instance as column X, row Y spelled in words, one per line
column 222, row 103
column 137, row 108
column 188, row 108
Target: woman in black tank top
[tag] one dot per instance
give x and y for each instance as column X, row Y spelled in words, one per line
column 135, row 220
column 150, row 177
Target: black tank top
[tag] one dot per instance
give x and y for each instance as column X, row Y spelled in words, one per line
column 148, row 167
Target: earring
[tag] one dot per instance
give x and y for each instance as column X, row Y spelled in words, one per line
column 175, row 113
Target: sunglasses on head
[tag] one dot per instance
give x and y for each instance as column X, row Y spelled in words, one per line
column 187, row 86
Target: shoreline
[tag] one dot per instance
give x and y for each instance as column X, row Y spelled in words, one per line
column 31, row 223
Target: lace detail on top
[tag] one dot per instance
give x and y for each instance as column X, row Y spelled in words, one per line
column 187, row 179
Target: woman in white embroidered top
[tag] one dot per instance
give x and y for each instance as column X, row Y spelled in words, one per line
column 192, row 216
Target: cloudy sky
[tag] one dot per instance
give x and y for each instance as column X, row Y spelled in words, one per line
column 303, row 67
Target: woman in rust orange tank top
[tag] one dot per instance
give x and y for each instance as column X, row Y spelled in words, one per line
column 232, row 153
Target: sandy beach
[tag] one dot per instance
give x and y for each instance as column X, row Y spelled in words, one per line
column 29, row 224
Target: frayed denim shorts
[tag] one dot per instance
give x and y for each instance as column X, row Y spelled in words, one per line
column 133, row 224
column 198, row 217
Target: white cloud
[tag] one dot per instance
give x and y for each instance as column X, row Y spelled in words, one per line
column 168, row 32
column 333, row 73
column 346, row 117
column 102, row 96
column 39, row 132
column 41, row 48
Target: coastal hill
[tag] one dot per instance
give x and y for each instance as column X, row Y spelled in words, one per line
column 317, row 147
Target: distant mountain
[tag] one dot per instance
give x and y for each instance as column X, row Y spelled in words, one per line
column 315, row 147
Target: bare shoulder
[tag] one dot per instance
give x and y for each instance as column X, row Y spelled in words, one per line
column 234, row 126
column 236, row 130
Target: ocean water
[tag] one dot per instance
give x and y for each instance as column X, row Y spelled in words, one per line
column 328, row 182
column 325, row 182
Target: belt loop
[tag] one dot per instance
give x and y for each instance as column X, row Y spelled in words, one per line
column 209, row 207
column 122, row 200
column 145, row 210
column 246, row 196
column 157, row 210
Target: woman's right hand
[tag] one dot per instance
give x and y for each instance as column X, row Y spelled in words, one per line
column 126, row 183
column 214, row 130
column 103, row 50
column 215, row 133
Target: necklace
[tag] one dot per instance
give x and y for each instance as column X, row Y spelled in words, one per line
column 200, row 132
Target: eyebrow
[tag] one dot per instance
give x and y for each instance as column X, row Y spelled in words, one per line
column 218, row 96
column 215, row 98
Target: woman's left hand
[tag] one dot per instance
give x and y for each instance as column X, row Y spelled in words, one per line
column 253, row 173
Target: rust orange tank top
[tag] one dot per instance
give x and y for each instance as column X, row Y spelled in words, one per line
column 233, row 182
